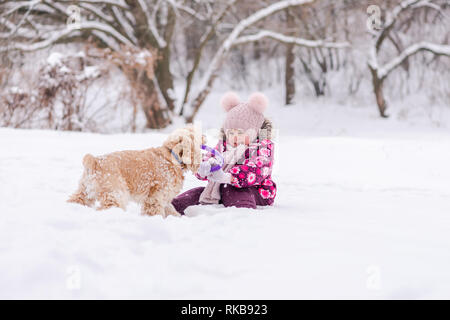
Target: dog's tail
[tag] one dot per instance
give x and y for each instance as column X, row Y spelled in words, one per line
column 90, row 163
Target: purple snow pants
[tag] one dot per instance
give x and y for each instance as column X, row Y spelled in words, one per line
column 230, row 196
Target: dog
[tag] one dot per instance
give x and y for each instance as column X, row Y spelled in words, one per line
column 150, row 177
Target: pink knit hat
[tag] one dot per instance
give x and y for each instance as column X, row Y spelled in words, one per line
column 247, row 116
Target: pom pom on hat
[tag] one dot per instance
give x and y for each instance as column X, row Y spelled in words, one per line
column 258, row 102
column 229, row 101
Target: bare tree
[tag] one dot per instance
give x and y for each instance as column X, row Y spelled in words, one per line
column 289, row 79
column 236, row 38
column 381, row 71
column 148, row 25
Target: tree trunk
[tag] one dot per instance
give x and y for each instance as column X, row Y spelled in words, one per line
column 256, row 50
column 290, row 75
column 318, row 84
column 162, row 70
column 319, row 87
column 156, row 114
column 164, row 78
column 378, row 91
column 289, row 63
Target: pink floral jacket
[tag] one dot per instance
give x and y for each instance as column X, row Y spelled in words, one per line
column 255, row 169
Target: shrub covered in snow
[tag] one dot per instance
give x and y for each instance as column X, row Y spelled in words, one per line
column 94, row 90
column 56, row 100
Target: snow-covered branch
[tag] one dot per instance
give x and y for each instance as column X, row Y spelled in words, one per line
column 428, row 4
column 23, row 19
column 244, row 24
column 392, row 17
column 289, row 40
column 14, row 6
column 8, row 24
column 228, row 43
column 216, row 20
column 380, row 72
column 188, row 10
column 97, row 11
column 107, row 40
column 402, row 6
column 151, row 25
column 68, row 30
column 259, row 15
column 21, row 32
column 240, row 27
column 117, row 3
column 127, row 28
column 436, row 49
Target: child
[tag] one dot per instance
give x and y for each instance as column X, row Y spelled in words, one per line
column 245, row 180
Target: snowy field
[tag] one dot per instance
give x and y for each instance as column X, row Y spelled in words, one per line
column 362, row 211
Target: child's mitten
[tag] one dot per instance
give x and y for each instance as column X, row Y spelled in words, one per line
column 204, row 169
column 220, row 177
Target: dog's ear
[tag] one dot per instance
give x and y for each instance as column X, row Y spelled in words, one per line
column 185, row 143
column 181, row 145
column 196, row 152
column 175, row 143
column 191, row 147
column 186, row 149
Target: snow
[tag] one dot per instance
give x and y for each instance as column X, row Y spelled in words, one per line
column 151, row 25
column 395, row 62
column 287, row 39
column 142, row 57
column 16, row 90
column 89, row 72
column 362, row 211
column 56, row 35
column 119, row 3
column 98, row 12
column 208, row 77
column 125, row 25
column 188, row 10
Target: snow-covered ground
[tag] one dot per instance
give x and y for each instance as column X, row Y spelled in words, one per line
column 362, row 211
